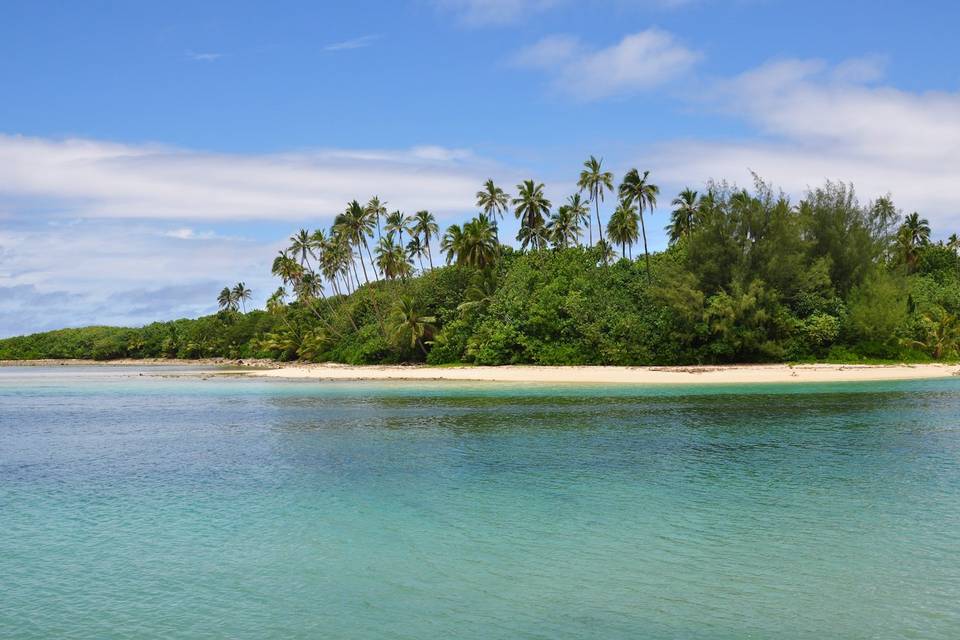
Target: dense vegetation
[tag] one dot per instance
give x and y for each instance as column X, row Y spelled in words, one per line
column 748, row 276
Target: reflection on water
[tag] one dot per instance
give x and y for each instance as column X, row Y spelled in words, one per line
column 182, row 507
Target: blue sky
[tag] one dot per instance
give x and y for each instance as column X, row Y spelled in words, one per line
column 152, row 152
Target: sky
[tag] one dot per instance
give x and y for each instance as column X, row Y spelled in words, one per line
column 153, row 152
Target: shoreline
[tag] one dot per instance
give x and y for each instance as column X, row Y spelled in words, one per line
column 641, row 375
column 137, row 362
column 672, row 375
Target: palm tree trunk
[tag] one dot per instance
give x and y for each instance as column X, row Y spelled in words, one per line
column 596, row 202
column 430, row 255
column 645, row 252
column 363, row 265
column 373, row 265
column 356, row 274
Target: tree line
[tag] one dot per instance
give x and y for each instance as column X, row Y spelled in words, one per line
column 747, row 275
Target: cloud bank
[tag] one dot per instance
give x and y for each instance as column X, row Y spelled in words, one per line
column 816, row 121
column 640, row 61
column 96, row 232
column 96, row 179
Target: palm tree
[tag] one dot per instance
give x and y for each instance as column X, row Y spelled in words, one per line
column 563, row 228
column 622, row 228
column 287, row 269
column 942, row 333
column 530, row 206
column 636, row 189
column 425, row 227
column 478, row 245
column 580, row 210
column 276, row 305
column 241, row 294
column 452, row 242
column 605, row 252
column 334, row 262
column 397, row 223
column 309, row 288
column 536, row 238
column 226, row 300
column 919, row 229
column 493, row 201
column 392, row 259
column 913, row 234
column 302, row 244
column 953, row 242
column 594, row 180
column 483, row 286
column 416, row 249
column 684, row 216
column 409, row 325
column 356, row 225
column 376, row 210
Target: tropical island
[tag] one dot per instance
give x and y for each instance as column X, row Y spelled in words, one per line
column 748, row 277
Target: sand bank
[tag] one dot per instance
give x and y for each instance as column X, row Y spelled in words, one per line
column 732, row 374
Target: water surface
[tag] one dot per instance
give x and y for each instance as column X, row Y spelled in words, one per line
column 181, row 507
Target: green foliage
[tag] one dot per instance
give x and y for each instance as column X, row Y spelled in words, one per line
column 878, row 313
column 748, row 276
column 226, row 334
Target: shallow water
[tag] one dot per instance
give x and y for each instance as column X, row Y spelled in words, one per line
column 177, row 507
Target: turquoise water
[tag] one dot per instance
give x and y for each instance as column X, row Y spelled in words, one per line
column 171, row 507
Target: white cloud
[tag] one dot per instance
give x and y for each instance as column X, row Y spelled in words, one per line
column 502, row 12
column 89, row 226
column 354, row 43
column 119, row 272
column 96, row 179
column 204, row 56
column 496, row 12
column 817, row 122
column 186, row 233
column 639, row 61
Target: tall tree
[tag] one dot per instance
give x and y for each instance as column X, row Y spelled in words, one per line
column 953, row 242
column 563, row 229
column 425, row 227
column 535, row 238
column 580, row 209
column 479, row 246
column 452, row 243
column 377, row 210
column 636, row 190
column 494, row 202
column 397, row 223
column 594, row 180
column 623, row 229
column 416, row 249
column 241, row 294
column 226, row 300
column 356, row 225
column 301, row 244
column 684, row 215
column 392, row 259
column 530, row 206
column 914, row 233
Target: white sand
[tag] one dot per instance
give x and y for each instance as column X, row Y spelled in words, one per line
column 617, row 375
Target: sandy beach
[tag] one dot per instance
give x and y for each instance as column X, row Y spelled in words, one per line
column 732, row 374
column 719, row 374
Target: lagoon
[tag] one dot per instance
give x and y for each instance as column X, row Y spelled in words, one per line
column 170, row 505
